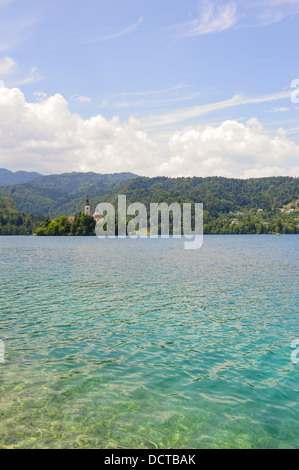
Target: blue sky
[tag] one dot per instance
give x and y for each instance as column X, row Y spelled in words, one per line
column 171, row 87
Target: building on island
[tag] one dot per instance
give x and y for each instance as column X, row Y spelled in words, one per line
column 87, row 206
column 96, row 216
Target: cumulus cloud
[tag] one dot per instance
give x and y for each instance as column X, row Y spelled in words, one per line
column 230, row 149
column 46, row 136
column 40, row 95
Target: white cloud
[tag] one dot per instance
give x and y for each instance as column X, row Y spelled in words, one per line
column 217, row 16
column 40, row 95
column 31, row 77
column 265, row 172
column 280, row 110
column 214, row 18
column 123, row 32
column 274, row 11
column 230, row 149
column 152, row 103
column 151, row 92
column 195, row 111
column 125, row 101
column 84, row 99
column 6, row 66
column 45, row 136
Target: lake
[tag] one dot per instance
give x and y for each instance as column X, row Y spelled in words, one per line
column 141, row 344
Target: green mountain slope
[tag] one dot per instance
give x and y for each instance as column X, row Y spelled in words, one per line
column 216, row 193
column 230, row 205
column 56, row 195
column 13, row 222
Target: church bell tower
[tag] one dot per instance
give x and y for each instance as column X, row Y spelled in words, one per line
column 87, row 206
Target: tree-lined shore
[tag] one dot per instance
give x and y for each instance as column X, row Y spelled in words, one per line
column 231, row 206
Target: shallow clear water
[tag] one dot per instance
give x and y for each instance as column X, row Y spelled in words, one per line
column 140, row 344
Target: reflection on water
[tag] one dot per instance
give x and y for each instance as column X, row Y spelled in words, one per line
column 140, row 344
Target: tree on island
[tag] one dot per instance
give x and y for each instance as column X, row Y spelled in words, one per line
column 83, row 225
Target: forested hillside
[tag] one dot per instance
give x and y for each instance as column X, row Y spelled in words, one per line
column 56, row 195
column 258, row 205
column 13, row 222
column 217, row 194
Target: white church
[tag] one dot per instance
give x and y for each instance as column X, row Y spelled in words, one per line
column 96, row 216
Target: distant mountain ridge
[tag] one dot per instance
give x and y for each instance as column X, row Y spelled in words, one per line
column 79, row 182
column 19, row 177
column 55, row 195
column 231, row 205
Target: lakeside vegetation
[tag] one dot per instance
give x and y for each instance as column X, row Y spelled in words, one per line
column 248, row 222
column 231, row 206
column 13, row 222
column 83, row 225
column 267, row 222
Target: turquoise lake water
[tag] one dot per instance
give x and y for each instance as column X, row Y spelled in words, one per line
column 141, row 344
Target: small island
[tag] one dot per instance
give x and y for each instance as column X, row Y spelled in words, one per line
column 78, row 225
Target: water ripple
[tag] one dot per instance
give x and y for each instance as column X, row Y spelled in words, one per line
column 140, row 344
